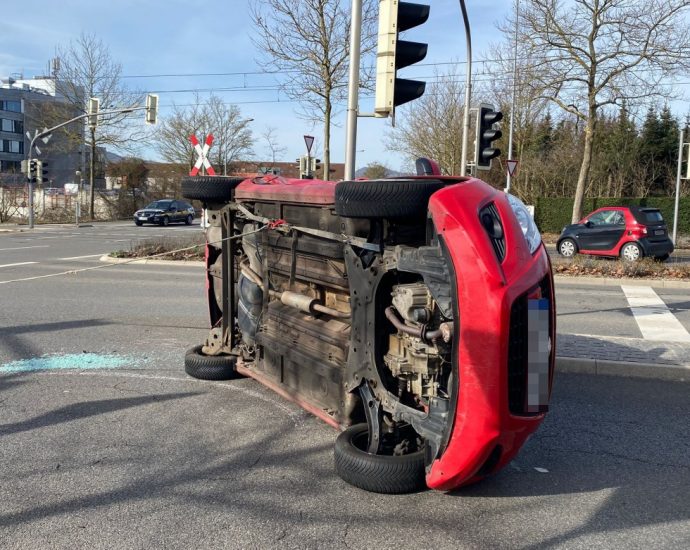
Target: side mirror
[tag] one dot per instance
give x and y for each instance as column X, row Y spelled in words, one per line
column 588, row 223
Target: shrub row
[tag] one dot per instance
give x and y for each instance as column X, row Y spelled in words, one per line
column 552, row 214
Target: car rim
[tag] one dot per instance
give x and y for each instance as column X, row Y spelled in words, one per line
column 567, row 249
column 631, row 253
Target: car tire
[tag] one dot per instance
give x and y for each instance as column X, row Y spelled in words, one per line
column 394, row 198
column 164, row 221
column 567, row 248
column 377, row 473
column 631, row 252
column 210, row 188
column 138, row 223
column 662, row 258
column 189, row 219
column 209, row 367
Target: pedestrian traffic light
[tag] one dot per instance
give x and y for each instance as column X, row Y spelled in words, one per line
column 394, row 54
column 33, row 167
column 42, row 172
column 151, row 108
column 486, row 133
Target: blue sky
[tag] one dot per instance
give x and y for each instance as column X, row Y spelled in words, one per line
column 161, row 37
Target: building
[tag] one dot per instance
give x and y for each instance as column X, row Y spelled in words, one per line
column 27, row 106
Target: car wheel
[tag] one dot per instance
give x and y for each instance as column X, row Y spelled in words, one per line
column 209, row 367
column 567, row 248
column 390, row 474
column 631, row 252
column 210, row 188
column 394, row 198
column 189, row 219
column 165, row 220
column 138, row 223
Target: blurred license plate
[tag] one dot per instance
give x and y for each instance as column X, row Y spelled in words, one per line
column 659, row 232
column 538, row 351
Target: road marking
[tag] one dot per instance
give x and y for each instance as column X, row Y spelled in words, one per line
column 20, row 263
column 25, row 247
column 88, row 256
column 655, row 320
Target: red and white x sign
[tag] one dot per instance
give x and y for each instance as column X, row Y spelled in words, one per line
column 203, row 156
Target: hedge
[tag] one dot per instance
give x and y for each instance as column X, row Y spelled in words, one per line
column 552, row 214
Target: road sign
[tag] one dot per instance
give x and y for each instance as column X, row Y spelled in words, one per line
column 309, row 141
column 512, row 167
column 203, row 156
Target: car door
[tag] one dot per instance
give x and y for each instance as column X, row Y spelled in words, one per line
column 174, row 211
column 602, row 230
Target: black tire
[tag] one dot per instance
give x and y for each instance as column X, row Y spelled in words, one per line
column 189, row 219
column 165, row 220
column 394, row 198
column 567, row 248
column 662, row 258
column 210, row 188
column 377, row 473
column 138, row 223
column 209, row 367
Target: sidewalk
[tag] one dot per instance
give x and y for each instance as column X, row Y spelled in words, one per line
column 619, row 356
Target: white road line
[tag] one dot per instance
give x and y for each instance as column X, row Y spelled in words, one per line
column 89, row 256
column 25, row 247
column 655, row 320
column 20, row 263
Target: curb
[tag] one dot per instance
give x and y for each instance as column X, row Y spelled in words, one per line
column 609, row 281
column 184, row 263
column 576, row 365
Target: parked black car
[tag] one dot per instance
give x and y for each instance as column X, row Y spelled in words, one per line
column 164, row 211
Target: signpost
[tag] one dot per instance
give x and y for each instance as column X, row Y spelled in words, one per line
column 203, row 155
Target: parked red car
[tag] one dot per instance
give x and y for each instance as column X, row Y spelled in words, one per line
column 619, row 231
column 415, row 315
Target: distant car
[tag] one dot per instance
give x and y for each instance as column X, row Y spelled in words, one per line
column 619, row 231
column 165, row 211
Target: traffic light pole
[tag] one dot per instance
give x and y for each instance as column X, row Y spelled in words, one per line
column 50, row 131
column 678, row 177
column 468, row 92
column 353, row 90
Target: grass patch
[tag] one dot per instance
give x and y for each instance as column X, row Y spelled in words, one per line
column 167, row 247
column 618, row 269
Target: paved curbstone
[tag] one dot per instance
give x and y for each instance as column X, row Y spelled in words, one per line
column 609, row 281
column 680, row 373
column 184, row 263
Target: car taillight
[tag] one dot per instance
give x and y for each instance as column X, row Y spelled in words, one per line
column 644, row 229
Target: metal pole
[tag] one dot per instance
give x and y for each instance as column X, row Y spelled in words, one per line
column 675, row 208
column 468, row 92
column 353, row 90
column 31, row 183
column 512, row 103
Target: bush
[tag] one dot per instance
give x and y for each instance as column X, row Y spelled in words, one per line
column 151, row 247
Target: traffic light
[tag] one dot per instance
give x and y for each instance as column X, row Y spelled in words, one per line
column 33, row 168
column 486, row 133
column 394, row 54
column 303, row 167
column 42, row 172
column 151, row 108
column 315, row 165
column 93, row 111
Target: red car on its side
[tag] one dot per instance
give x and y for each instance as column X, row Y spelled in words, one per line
column 416, row 315
column 628, row 232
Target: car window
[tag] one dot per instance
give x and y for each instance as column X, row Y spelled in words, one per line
column 607, row 217
column 652, row 216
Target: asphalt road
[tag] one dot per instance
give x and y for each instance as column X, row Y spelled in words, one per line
column 141, row 456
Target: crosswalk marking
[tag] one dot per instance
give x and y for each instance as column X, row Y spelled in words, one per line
column 87, row 256
column 655, row 320
column 24, row 247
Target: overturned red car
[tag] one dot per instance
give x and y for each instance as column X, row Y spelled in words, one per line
column 415, row 314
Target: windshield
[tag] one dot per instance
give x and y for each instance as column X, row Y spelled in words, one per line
column 159, row 205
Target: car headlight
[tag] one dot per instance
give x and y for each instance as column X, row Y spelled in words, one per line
column 529, row 228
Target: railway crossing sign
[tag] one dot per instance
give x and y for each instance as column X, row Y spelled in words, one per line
column 203, row 156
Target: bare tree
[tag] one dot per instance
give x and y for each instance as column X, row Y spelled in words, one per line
column 232, row 138
column 591, row 54
column 308, row 42
column 88, row 70
column 375, row 171
column 433, row 126
column 272, row 148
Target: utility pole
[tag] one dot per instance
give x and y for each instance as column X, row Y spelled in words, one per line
column 512, row 102
column 468, row 92
column 353, row 90
column 675, row 208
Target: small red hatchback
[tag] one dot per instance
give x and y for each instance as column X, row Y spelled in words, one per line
column 628, row 232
